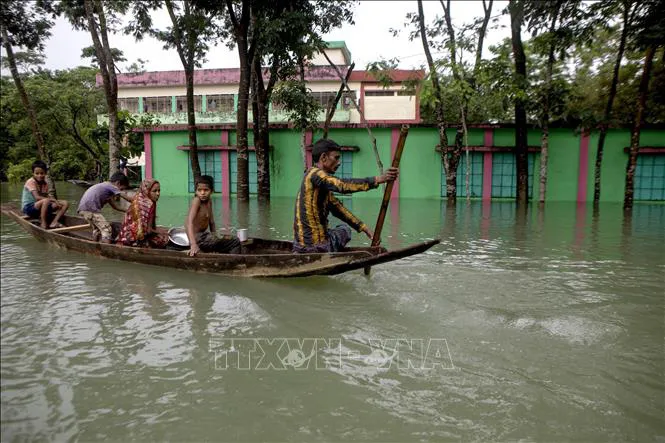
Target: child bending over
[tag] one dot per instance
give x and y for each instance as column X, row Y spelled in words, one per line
column 94, row 199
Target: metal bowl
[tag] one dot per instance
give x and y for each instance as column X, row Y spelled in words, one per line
column 178, row 236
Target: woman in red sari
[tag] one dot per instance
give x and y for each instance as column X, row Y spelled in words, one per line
column 138, row 228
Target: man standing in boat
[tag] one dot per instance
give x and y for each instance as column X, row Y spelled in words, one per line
column 316, row 200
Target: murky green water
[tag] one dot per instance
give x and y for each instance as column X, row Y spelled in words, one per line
column 549, row 328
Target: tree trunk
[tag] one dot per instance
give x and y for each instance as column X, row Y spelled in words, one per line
column 637, row 125
column 545, row 140
column 27, row 104
column 451, row 175
column 331, row 112
column 487, row 8
column 191, row 122
column 107, row 70
column 30, row 109
column 261, row 136
column 240, row 31
column 521, row 155
column 379, row 164
column 263, row 159
column 242, row 120
column 186, row 47
column 608, row 107
column 303, row 148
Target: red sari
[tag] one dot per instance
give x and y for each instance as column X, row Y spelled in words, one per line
column 138, row 228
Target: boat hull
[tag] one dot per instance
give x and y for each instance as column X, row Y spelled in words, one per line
column 260, row 258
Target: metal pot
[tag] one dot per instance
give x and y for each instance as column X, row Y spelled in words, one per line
column 178, row 236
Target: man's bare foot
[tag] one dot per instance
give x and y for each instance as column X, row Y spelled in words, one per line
column 56, row 225
column 43, row 225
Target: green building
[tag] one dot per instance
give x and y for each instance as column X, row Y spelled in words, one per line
column 490, row 156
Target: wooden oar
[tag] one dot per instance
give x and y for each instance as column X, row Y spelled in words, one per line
column 69, row 228
column 388, row 191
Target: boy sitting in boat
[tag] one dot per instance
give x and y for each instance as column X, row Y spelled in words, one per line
column 35, row 200
column 200, row 223
column 139, row 227
column 316, row 200
column 94, row 199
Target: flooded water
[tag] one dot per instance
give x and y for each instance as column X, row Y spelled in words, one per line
column 547, row 327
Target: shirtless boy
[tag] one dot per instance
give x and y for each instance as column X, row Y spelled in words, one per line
column 200, row 224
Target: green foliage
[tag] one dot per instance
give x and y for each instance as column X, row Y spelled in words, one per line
column 67, row 104
column 21, row 171
column 28, row 24
column 303, row 109
column 382, row 71
column 89, row 52
column 28, row 60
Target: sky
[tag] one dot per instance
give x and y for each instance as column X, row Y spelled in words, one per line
column 369, row 39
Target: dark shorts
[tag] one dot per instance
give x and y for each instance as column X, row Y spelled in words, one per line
column 32, row 212
column 338, row 238
column 210, row 243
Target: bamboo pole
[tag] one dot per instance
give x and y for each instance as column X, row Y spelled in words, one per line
column 376, row 239
column 69, row 228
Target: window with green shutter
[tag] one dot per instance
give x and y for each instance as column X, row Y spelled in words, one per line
column 253, row 176
column 475, row 177
column 345, row 169
column 650, row 177
column 504, row 174
column 210, row 163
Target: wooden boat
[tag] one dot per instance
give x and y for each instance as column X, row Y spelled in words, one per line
column 259, row 257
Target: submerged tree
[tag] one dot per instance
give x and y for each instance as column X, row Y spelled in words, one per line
column 650, row 36
column 285, row 34
column 438, row 101
column 453, row 84
column 239, row 16
column 464, row 84
column 516, row 8
column 99, row 19
column 560, row 20
column 191, row 31
column 603, row 9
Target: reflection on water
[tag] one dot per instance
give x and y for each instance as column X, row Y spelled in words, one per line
column 553, row 322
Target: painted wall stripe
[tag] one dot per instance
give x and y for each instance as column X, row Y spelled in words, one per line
column 394, row 138
column 147, row 149
column 583, row 174
column 226, row 167
column 487, row 165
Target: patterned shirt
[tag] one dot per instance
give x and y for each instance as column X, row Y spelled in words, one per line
column 316, row 200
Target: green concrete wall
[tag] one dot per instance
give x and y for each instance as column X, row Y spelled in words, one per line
column 613, row 170
column 563, row 163
column 169, row 165
column 420, row 171
column 286, row 165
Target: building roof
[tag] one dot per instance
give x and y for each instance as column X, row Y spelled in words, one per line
column 341, row 44
column 232, row 76
column 210, row 77
column 396, row 75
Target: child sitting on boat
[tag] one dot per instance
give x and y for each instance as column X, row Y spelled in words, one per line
column 139, row 226
column 94, row 199
column 36, row 202
column 200, row 223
